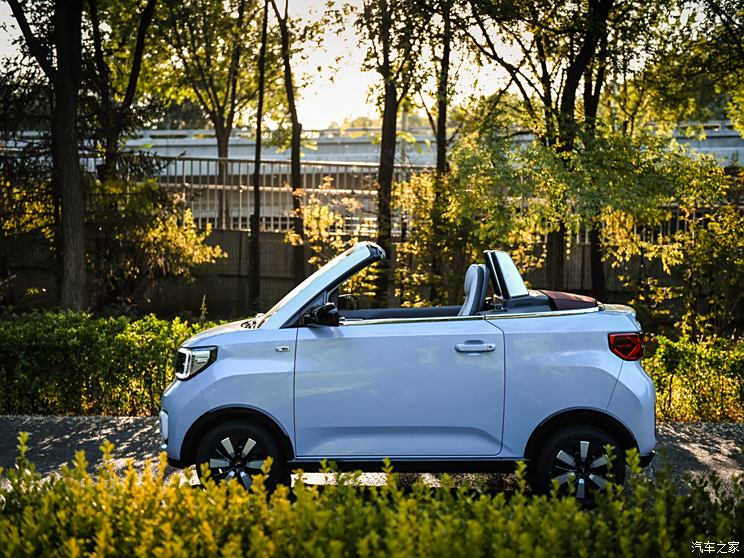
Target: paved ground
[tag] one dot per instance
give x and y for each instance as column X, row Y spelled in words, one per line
column 694, row 448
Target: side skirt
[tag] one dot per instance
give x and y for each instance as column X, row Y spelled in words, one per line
column 409, row 466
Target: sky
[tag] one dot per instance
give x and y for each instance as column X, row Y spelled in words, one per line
column 334, row 91
column 340, row 89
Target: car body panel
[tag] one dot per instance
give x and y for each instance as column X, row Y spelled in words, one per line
column 254, row 369
column 555, row 362
column 398, row 388
column 184, row 403
column 633, row 401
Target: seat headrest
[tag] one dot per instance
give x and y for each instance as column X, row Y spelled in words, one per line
column 475, row 290
column 471, row 276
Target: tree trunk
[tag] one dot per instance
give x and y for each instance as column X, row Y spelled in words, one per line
column 439, row 227
column 555, row 258
column 596, row 23
column 442, row 86
column 384, row 189
column 298, row 251
column 222, row 135
column 592, row 91
column 67, row 179
column 66, row 165
column 67, row 174
column 254, row 272
column 599, row 287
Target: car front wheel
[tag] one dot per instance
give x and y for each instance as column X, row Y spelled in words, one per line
column 576, row 454
column 238, row 450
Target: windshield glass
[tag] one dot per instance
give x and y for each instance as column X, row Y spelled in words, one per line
column 261, row 318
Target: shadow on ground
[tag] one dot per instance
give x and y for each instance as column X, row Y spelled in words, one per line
column 53, row 441
column 694, row 448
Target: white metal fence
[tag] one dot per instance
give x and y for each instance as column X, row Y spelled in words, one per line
column 220, row 191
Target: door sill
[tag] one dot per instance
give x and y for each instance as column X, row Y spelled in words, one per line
column 408, row 465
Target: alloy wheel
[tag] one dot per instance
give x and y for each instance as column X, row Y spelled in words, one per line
column 236, row 457
column 586, row 463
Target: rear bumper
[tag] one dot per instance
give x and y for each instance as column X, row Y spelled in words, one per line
column 633, row 404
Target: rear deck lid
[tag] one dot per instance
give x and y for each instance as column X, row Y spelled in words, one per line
column 569, row 301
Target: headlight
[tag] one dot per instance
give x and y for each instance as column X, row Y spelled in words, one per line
column 190, row 362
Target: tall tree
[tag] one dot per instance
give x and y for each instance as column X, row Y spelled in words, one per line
column 443, row 32
column 62, row 66
column 217, row 46
column 557, row 44
column 633, row 32
column 115, row 64
column 255, row 247
column 298, row 249
column 700, row 73
column 394, row 31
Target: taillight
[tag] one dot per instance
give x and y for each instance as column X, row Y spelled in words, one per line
column 628, row 346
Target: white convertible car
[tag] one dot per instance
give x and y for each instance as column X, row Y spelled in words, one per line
column 511, row 374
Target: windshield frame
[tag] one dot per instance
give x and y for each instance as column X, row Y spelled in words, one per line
column 359, row 254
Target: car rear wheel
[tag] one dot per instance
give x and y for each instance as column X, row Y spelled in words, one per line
column 577, row 454
column 237, row 449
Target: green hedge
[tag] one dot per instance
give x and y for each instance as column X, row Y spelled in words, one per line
column 72, row 363
column 698, row 380
column 125, row 515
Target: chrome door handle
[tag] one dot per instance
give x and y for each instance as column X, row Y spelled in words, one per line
column 477, row 347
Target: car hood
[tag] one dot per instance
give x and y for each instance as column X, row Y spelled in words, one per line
column 202, row 336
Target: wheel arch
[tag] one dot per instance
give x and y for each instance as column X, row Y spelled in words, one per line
column 593, row 417
column 215, row 416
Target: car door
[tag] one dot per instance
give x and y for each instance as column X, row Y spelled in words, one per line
column 405, row 388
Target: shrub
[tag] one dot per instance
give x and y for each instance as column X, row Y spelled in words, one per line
column 79, row 515
column 139, row 235
column 72, row 363
column 698, row 380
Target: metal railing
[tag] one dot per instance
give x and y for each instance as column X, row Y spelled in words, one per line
column 220, row 191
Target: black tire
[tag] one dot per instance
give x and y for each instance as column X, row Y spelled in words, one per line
column 237, row 449
column 578, row 451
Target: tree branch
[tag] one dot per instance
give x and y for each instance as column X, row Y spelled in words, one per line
column 33, row 43
column 101, row 66
column 139, row 49
column 183, row 52
column 233, row 69
column 428, row 115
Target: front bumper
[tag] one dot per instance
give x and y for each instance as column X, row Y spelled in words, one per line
column 647, row 459
column 173, row 462
column 163, row 421
column 180, row 407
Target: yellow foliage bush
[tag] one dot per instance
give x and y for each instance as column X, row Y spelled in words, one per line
column 108, row 514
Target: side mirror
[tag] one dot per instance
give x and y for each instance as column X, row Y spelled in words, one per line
column 348, row 302
column 325, row 315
